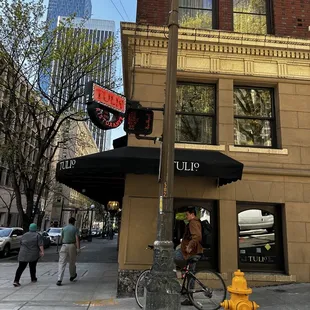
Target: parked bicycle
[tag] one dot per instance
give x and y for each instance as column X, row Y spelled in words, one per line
column 205, row 288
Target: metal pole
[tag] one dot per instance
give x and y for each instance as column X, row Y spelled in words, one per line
column 62, row 207
column 163, row 289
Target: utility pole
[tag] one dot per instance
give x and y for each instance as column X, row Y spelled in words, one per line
column 163, row 288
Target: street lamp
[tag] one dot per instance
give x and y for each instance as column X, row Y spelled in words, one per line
column 92, row 209
column 163, row 288
column 113, row 208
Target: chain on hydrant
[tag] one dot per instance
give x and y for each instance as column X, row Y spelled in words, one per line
column 239, row 294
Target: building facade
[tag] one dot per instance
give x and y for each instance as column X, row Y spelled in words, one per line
column 243, row 90
column 80, row 8
column 8, row 209
column 66, row 201
column 97, row 32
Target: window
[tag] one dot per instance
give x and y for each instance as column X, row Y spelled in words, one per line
column 195, row 113
column 196, row 14
column 260, row 237
column 254, row 117
column 252, row 16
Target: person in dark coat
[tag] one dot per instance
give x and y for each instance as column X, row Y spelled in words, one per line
column 31, row 249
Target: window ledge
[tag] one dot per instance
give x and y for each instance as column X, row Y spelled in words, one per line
column 233, row 148
column 200, row 146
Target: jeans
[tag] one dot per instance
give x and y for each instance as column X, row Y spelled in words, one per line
column 22, row 266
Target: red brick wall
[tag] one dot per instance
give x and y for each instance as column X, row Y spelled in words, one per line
column 225, row 19
column 291, row 17
column 153, row 12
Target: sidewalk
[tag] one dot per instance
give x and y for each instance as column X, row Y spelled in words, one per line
column 95, row 288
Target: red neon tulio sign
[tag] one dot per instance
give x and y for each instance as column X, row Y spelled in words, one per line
column 109, row 98
column 101, row 102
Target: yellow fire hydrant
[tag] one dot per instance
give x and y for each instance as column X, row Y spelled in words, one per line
column 239, row 294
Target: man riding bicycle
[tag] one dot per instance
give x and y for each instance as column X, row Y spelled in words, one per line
column 191, row 242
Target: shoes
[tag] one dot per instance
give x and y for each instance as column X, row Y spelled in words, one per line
column 186, row 302
column 16, row 284
column 73, row 278
column 58, row 283
column 34, row 280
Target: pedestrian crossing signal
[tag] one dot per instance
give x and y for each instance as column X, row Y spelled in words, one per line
column 139, row 121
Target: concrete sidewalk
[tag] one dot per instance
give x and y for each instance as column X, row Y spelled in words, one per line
column 95, row 288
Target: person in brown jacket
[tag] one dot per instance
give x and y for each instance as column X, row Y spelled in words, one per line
column 191, row 242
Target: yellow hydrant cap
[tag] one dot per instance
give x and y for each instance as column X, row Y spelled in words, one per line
column 239, row 284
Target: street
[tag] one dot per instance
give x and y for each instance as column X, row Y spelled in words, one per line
column 97, row 251
column 96, row 285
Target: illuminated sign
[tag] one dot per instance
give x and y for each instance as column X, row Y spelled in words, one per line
column 105, row 108
column 109, row 99
column 139, row 121
column 102, row 118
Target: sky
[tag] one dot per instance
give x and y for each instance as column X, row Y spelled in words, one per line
column 122, row 10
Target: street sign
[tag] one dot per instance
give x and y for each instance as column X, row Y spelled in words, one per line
column 139, row 121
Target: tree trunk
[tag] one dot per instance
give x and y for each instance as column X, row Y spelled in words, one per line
column 40, row 219
column 8, row 218
column 26, row 222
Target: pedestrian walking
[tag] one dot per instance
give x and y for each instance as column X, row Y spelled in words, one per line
column 69, row 250
column 31, row 249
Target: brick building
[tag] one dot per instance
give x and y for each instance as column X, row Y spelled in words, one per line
column 242, row 137
column 244, row 91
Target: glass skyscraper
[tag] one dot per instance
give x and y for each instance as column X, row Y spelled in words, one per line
column 97, row 31
column 81, row 8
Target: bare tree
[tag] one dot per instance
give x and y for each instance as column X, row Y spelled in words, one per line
column 42, row 78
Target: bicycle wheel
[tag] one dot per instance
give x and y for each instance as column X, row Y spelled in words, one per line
column 140, row 288
column 207, row 290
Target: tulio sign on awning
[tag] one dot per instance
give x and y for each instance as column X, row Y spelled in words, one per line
column 105, row 107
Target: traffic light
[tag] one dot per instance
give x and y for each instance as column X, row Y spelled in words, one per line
column 139, row 121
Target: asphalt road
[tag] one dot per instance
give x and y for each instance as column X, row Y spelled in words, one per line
column 98, row 251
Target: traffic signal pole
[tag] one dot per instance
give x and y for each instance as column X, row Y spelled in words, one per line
column 163, row 288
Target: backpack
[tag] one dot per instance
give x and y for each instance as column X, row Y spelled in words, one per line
column 206, row 231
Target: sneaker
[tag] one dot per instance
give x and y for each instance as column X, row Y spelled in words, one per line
column 58, row 283
column 73, row 278
column 186, row 302
column 16, row 284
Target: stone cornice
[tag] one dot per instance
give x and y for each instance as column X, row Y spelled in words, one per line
column 213, row 51
column 158, row 37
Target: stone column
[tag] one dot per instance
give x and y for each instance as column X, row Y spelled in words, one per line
column 228, row 237
column 225, row 112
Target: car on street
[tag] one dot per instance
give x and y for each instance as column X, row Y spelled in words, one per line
column 10, row 238
column 46, row 239
column 255, row 219
column 55, row 235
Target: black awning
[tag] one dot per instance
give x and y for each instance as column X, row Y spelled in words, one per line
column 105, row 171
